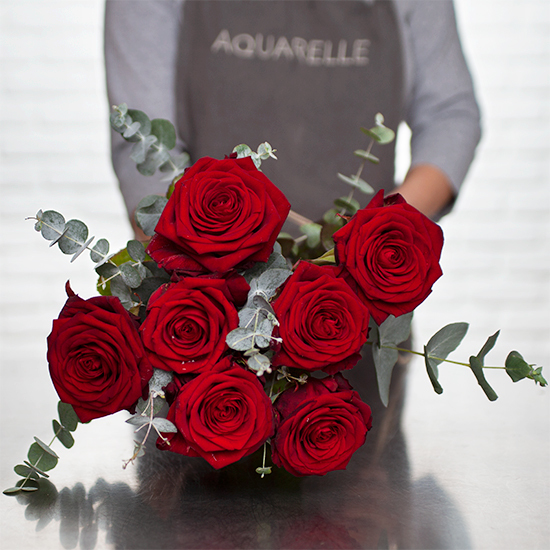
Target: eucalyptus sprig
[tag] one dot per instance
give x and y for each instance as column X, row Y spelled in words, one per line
column 148, row 411
column 71, row 236
column 41, row 457
column 153, row 140
column 316, row 237
column 257, row 318
column 385, row 340
column 130, row 274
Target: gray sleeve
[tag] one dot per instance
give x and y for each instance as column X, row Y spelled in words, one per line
column 141, row 41
column 440, row 104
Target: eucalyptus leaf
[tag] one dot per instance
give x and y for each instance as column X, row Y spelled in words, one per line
column 45, row 448
column 122, row 292
column 260, row 302
column 28, row 485
column 358, row 183
column 488, row 346
column 153, row 160
column 242, row 151
column 52, row 224
column 147, row 287
column 177, row 163
column 136, row 250
column 332, row 216
column 165, row 132
column 326, row 235
column 160, row 379
column 82, row 248
column 38, row 456
column 259, row 363
column 107, row 270
column 35, row 469
column 247, row 315
column 350, row 204
column 138, row 420
column 38, row 223
column 380, row 134
column 144, row 123
column 265, row 151
column 130, row 275
column 148, row 213
column 164, row 425
column 76, row 233
column 269, row 281
column 276, row 261
column 12, row 491
column 143, row 406
column 62, row 434
column 67, row 416
column 395, row 330
column 240, row 339
column 99, row 250
column 384, row 362
column 516, row 366
column 476, row 364
column 25, row 471
column 365, row 155
column 60, row 236
column 131, row 130
column 391, row 332
column 313, row 233
column 140, row 149
column 433, row 372
column 444, row 342
column 263, row 334
column 118, row 122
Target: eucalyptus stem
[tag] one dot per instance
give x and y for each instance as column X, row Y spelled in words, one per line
column 421, row 354
column 140, row 136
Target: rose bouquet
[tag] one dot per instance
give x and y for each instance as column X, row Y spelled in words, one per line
column 223, row 335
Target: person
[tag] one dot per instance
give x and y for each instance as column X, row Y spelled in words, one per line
column 304, row 76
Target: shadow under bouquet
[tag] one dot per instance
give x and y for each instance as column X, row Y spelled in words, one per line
column 222, row 335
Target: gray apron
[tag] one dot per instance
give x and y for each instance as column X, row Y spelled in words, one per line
column 302, row 75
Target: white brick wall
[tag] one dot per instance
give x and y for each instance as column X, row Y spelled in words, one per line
column 54, row 154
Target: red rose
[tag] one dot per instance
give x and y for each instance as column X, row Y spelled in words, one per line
column 97, row 362
column 221, row 415
column 222, row 214
column 323, row 324
column 391, row 251
column 187, row 323
column 322, row 424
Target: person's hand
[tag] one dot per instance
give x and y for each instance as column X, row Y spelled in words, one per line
column 426, row 188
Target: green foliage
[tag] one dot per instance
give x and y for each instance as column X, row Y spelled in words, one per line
column 357, row 182
column 380, row 133
column 71, row 236
column 385, row 339
column 41, row 457
column 518, row 369
column 148, row 213
column 153, row 140
column 438, row 348
column 264, row 152
column 476, row 364
column 257, row 318
column 131, row 276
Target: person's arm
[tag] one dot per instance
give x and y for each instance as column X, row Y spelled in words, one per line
column 428, row 189
column 141, row 45
column 441, row 107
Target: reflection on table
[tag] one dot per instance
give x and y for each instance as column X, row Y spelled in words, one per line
column 182, row 502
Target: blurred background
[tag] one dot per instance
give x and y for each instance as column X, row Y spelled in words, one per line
column 54, row 151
